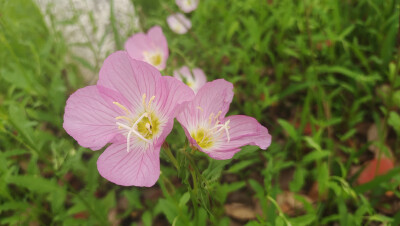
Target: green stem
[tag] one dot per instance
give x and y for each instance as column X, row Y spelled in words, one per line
column 281, row 214
column 171, row 157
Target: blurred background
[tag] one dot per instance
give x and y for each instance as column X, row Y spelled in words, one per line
column 322, row 76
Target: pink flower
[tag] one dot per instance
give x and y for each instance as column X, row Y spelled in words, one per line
column 195, row 79
column 187, row 6
column 133, row 107
column 151, row 47
column 211, row 132
column 179, row 23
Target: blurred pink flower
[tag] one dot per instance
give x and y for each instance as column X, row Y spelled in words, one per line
column 195, row 79
column 151, row 47
column 187, row 6
column 211, row 132
column 179, row 23
column 133, row 107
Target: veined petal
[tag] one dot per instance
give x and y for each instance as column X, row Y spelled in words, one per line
column 138, row 167
column 178, row 96
column 89, row 119
column 213, row 97
column 244, row 130
column 132, row 78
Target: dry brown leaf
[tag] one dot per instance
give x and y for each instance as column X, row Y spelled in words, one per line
column 289, row 204
column 314, row 195
column 240, row 211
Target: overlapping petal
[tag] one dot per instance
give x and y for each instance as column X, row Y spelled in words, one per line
column 244, row 130
column 143, row 46
column 177, row 97
column 89, row 119
column 139, row 167
column 157, row 36
column 132, row 78
column 195, row 79
column 213, row 97
column 210, row 131
column 128, row 90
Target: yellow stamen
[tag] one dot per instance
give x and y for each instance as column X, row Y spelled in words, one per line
column 151, row 100
column 210, row 118
column 200, row 108
column 219, row 113
column 144, row 99
column 122, row 107
column 123, row 117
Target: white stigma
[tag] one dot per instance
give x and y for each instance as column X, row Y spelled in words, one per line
column 132, row 130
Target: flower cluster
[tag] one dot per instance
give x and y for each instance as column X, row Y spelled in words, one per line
column 133, row 107
column 178, row 22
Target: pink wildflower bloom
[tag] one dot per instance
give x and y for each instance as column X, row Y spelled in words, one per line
column 133, row 107
column 187, row 6
column 195, row 79
column 207, row 128
column 151, row 47
column 179, row 23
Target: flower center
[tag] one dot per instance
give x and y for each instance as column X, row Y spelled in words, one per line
column 207, row 137
column 153, row 58
column 145, row 127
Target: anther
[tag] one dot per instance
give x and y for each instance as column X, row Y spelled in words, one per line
column 144, row 99
column 122, row 107
column 151, row 100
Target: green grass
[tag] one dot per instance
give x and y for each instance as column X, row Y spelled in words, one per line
column 317, row 74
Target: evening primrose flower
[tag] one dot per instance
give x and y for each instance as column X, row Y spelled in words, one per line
column 179, row 23
column 207, row 128
column 133, row 108
column 151, row 47
column 187, row 6
column 195, row 79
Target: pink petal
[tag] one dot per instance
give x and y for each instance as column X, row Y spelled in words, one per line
column 187, row 8
column 152, row 42
column 199, row 77
column 183, row 73
column 139, row 167
column 213, row 97
column 132, row 78
column 157, row 36
column 89, row 119
column 244, row 130
column 175, row 101
column 137, row 44
column 179, row 23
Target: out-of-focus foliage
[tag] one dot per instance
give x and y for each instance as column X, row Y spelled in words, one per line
column 317, row 74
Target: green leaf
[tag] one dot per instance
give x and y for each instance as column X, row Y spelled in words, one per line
column 315, row 156
column 147, row 219
column 311, row 142
column 34, row 183
column 298, row 179
column 394, row 121
column 289, row 128
column 184, row 199
column 236, row 168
